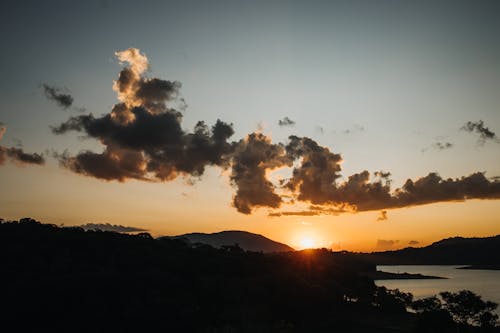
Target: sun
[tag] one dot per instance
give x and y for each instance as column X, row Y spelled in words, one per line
column 307, row 243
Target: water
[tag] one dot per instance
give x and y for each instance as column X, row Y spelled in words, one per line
column 485, row 283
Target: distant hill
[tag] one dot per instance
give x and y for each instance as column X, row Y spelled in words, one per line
column 450, row 251
column 246, row 240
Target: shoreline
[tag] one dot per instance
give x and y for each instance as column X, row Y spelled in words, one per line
column 481, row 267
column 381, row 275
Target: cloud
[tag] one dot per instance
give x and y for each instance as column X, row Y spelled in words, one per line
column 286, row 122
column 413, row 242
column 315, row 210
column 316, row 180
column 382, row 216
column 319, row 169
column 17, row 155
column 438, row 146
column 386, row 243
column 143, row 139
column 295, row 213
column 138, row 62
column 251, row 159
column 53, row 93
column 442, row 145
column 110, row 227
column 484, row 132
column 142, row 134
column 354, row 129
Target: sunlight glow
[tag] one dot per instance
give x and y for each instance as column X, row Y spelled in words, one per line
column 307, row 243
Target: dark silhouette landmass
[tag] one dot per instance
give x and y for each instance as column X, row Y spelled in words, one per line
column 74, row 280
column 246, row 240
column 381, row 275
column 487, row 267
column 451, row 251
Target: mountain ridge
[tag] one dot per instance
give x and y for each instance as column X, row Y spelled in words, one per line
column 246, row 240
column 448, row 251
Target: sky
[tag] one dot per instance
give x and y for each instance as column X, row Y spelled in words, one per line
column 409, row 88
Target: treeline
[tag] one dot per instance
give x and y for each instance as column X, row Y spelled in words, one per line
column 69, row 279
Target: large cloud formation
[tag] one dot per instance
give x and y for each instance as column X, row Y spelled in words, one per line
column 143, row 139
column 17, row 155
column 142, row 134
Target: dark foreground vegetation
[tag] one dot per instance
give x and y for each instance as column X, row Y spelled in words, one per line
column 72, row 280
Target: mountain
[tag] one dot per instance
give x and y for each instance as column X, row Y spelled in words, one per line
column 246, row 240
column 450, row 251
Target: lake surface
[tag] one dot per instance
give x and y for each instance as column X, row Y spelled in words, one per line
column 482, row 282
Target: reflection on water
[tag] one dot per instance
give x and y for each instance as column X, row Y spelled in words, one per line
column 482, row 282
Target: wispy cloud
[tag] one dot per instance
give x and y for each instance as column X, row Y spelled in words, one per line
column 110, row 227
column 383, row 244
column 286, row 122
column 62, row 99
column 478, row 127
column 16, row 154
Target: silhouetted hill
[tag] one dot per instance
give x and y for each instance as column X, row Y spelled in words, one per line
column 74, row 280
column 450, row 251
column 70, row 279
column 246, row 240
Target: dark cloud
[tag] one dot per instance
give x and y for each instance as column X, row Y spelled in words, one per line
column 112, row 164
column 144, row 139
column 386, row 243
column 55, row 94
column 110, row 227
column 413, row 242
column 252, row 158
column 152, row 146
column 286, row 122
column 316, row 180
column 442, row 145
column 319, row 169
column 484, row 132
column 142, row 134
column 382, row 216
column 17, row 155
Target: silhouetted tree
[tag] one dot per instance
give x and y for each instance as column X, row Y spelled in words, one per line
column 429, row 304
column 431, row 317
column 392, row 299
column 468, row 308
